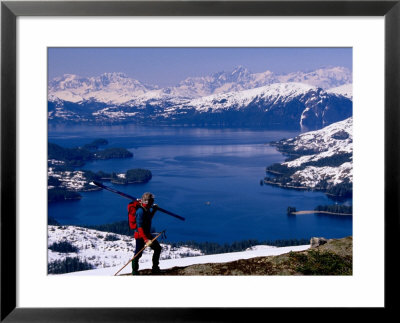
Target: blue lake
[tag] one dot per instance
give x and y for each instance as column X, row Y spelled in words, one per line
column 209, row 176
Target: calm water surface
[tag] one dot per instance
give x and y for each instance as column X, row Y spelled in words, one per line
column 209, row 176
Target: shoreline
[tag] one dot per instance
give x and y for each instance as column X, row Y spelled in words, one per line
column 320, row 212
column 302, row 188
column 289, row 186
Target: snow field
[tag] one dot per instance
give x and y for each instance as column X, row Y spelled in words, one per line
column 109, row 256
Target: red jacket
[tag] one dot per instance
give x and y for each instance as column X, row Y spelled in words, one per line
column 143, row 223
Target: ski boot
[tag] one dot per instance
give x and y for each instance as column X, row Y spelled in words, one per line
column 156, row 271
column 135, row 267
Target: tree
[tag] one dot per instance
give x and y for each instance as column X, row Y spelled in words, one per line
column 61, row 194
column 68, row 265
column 63, row 247
column 291, row 210
column 138, row 175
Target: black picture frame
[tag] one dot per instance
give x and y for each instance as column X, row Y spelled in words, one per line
column 10, row 10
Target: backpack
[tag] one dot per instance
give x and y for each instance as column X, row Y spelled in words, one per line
column 132, row 208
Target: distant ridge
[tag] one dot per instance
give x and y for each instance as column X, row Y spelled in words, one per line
column 118, row 88
column 275, row 106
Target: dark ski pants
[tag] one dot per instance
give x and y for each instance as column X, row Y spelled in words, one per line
column 156, row 255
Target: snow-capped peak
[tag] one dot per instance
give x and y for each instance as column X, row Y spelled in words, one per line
column 118, row 88
column 323, row 77
column 113, row 88
column 240, row 72
column 273, row 92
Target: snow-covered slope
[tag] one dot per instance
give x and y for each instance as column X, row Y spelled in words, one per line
column 278, row 93
column 345, row 90
column 102, row 249
column 325, row 158
column 333, row 139
column 312, row 176
column 256, row 251
column 285, row 105
column 109, row 256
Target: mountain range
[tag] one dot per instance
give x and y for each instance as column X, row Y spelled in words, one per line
column 118, row 88
column 239, row 98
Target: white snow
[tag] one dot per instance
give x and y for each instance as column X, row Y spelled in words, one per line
column 109, row 88
column 118, row 88
column 109, row 256
column 325, row 142
column 102, row 249
column 332, row 140
column 72, row 180
column 113, row 112
column 278, row 92
column 257, row 251
column 324, row 77
column 311, row 175
column 345, row 90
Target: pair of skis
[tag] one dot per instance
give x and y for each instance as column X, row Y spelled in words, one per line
column 132, row 198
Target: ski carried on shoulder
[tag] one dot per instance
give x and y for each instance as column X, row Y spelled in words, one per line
column 132, row 198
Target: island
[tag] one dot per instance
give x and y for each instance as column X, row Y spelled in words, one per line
column 65, row 181
column 78, row 156
column 132, row 176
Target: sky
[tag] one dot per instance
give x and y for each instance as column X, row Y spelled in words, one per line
column 169, row 66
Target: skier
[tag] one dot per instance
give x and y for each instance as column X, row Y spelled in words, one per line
column 144, row 216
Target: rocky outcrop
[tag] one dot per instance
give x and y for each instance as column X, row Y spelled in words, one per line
column 334, row 257
column 316, row 242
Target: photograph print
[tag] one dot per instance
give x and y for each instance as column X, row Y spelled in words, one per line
column 200, row 161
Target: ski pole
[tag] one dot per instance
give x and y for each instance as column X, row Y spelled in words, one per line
column 139, row 253
column 170, row 213
column 134, row 198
